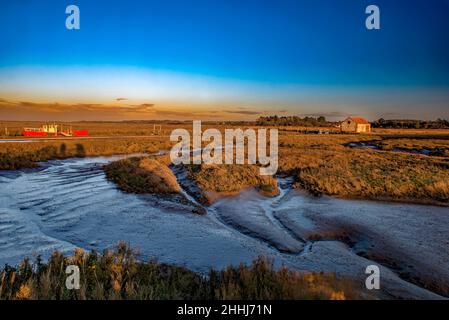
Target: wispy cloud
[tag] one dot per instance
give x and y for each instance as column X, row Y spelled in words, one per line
column 143, row 105
column 330, row 114
column 55, row 111
column 243, row 112
column 66, row 111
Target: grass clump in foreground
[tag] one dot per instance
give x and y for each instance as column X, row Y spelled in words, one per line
column 142, row 175
column 118, row 275
column 216, row 181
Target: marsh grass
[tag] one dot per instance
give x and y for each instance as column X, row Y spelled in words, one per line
column 326, row 166
column 216, row 181
column 117, row 274
column 26, row 155
column 142, row 175
column 321, row 164
column 435, row 147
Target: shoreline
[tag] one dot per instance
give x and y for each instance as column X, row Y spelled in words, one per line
column 405, row 201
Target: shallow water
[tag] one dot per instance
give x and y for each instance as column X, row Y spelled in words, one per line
column 374, row 146
column 69, row 203
column 16, row 140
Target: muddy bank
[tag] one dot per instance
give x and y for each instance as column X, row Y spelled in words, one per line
column 354, row 234
column 392, row 235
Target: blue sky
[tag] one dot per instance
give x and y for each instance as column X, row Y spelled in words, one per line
column 300, row 56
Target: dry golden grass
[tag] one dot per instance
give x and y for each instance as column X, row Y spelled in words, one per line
column 216, row 181
column 25, row 155
column 437, row 147
column 416, row 132
column 118, row 274
column 142, row 175
column 323, row 165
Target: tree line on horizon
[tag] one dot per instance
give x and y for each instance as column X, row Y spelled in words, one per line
column 321, row 121
column 411, row 124
column 292, row 121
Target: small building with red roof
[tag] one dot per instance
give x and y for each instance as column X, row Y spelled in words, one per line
column 355, row 125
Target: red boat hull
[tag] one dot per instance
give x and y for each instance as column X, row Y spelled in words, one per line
column 34, row 133
column 80, row 133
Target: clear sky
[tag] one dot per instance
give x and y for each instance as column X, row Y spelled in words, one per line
column 223, row 59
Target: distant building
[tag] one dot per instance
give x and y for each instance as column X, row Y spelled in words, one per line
column 355, row 125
